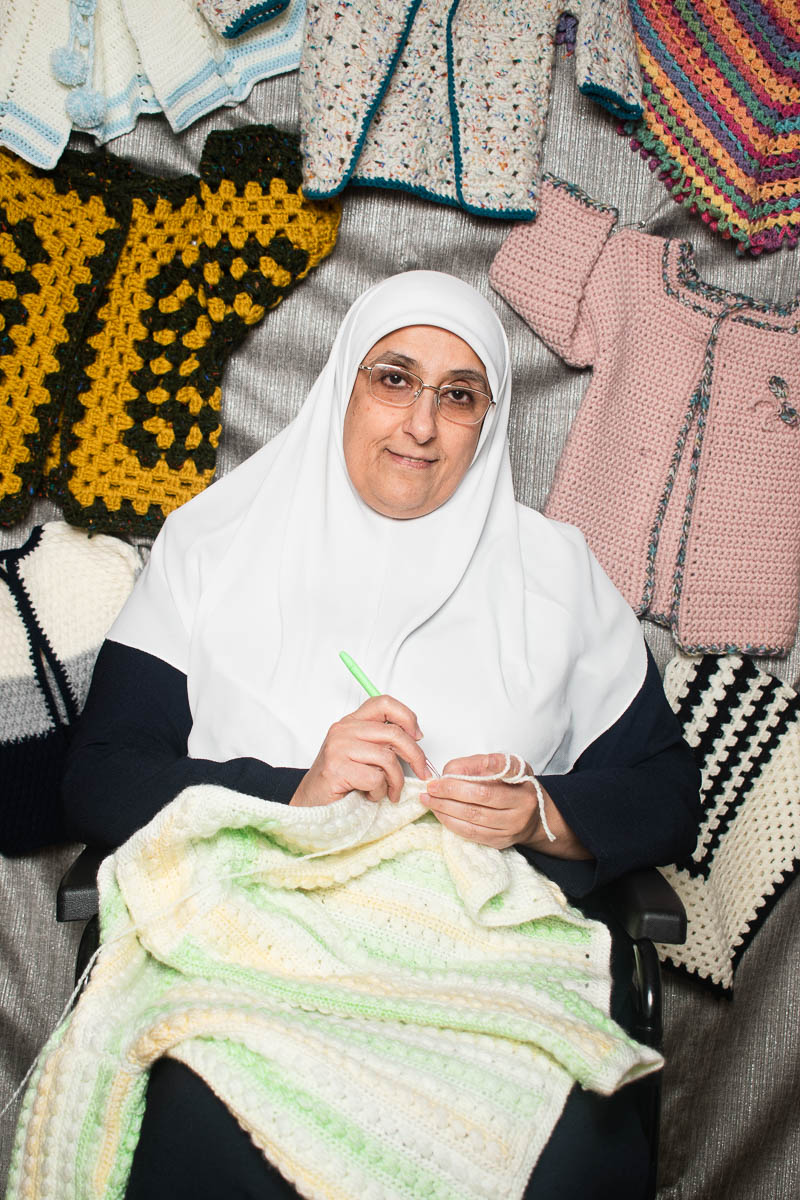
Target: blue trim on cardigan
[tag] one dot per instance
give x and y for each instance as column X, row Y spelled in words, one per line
column 46, row 132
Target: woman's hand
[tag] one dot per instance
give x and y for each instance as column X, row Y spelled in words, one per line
column 362, row 753
column 496, row 813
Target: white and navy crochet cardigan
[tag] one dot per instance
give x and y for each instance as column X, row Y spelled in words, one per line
column 448, row 99
column 59, row 593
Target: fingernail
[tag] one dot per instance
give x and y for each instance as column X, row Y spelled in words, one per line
column 418, row 734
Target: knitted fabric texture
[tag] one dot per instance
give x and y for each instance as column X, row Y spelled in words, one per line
column 681, row 465
column 448, row 100
column 60, row 240
column 744, row 729
column 232, row 18
column 388, row 1010
column 721, row 118
column 202, row 262
column 59, row 594
column 148, row 57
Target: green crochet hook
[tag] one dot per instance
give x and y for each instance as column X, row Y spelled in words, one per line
column 371, row 690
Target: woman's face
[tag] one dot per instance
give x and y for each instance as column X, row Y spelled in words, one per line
column 405, row 462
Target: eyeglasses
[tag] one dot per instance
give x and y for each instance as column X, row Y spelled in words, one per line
column 455, row 401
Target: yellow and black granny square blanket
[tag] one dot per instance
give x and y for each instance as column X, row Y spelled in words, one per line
column 133, row 430
column 60, row 242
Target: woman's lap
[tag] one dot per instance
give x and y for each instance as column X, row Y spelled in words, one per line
column 191, row 1148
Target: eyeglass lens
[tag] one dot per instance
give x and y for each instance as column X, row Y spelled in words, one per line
column 457, row 402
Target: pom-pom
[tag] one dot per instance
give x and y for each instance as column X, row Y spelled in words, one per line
column 85, row 108
column 69, row 66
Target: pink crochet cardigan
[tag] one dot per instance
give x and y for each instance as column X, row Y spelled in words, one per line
column 682, row 466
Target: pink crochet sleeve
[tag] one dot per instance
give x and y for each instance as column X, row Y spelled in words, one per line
column 543, row 267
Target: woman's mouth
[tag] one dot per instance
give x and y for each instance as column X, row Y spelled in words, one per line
column 411, row 461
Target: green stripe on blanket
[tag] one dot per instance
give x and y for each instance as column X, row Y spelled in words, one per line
column 390, row 1011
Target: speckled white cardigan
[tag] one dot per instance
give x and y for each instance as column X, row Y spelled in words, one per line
column 448, row 98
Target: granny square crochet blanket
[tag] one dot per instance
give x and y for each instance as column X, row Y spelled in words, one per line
column 681, row 465
column 60, row 241
column 132, row 405
column 721, row 121
column 448, row 99
column 389, row 1011
column 743, row 726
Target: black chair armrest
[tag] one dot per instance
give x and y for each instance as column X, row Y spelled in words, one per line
column 647, row 907
column 76, row 899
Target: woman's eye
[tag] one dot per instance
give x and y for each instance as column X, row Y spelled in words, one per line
column 463, row 397
column 393, row 379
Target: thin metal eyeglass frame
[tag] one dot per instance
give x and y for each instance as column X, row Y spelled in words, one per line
column 422, row 388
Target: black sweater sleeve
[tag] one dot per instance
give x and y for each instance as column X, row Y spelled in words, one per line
column 128, row 756
column 632, row 798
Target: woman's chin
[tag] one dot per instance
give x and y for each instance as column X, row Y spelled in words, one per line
column 403, row 503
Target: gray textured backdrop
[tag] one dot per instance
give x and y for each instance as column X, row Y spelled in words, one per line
column 731, row 1126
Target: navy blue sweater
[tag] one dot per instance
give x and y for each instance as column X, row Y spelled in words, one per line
column 631, row 798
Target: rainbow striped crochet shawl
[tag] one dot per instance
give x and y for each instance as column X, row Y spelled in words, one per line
column 388, row 1010
column 721, row 82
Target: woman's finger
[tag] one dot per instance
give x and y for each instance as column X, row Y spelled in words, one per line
column 385, row 734
column 497, row 838
column 344, row 762
column 468, row 813
column 370, row 780
column 372, row 754
column 485, row 764
column 386, row 708
column 490, row 795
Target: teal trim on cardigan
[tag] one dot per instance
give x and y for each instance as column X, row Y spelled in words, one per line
column 451, row 102
column 426, row 194
column 370, row 113
column 256, row 14
column 611, row 101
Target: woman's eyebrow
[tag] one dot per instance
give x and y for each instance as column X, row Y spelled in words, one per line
column 404, row 360
column 468, row 373
column 394, row 356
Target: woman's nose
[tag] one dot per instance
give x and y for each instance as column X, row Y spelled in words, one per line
column 420, row 421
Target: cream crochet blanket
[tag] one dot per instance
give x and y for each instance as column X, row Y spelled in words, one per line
column 390, row 1011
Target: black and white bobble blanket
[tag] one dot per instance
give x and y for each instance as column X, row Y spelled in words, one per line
column 743, row 726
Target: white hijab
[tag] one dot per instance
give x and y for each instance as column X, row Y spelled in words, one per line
column 494, row 624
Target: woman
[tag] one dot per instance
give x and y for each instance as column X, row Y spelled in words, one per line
column 382, row 521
